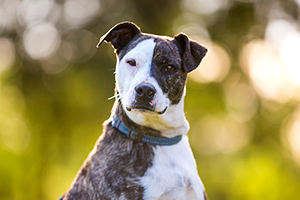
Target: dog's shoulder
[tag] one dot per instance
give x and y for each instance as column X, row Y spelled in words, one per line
column 114, row 165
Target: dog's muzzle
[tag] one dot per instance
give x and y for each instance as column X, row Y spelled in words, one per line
column 144, row 98
column 145, row 93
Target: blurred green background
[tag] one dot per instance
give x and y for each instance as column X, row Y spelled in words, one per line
column 243, row 102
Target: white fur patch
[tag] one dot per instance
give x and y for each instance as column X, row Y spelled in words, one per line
column 173, row 174
column 173, row 121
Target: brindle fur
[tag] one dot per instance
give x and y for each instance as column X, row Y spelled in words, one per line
column 116, row 164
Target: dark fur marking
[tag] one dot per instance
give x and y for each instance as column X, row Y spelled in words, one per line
column 120, row 35
column 113, row 170
column 166, row 53
column 191, row 52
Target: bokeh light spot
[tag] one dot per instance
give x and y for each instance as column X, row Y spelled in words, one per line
column 205, row 8
column 79, row 12
column 214, row 67
column 219, row 134
column 7, row 54
column 41, row 41
column 79, row 46
column 285, row 37
column 267, row 73
column 241, row 102
column 15, row 135
column 14, row 132
column 32, row 11
column 8, row 10
column 291, row 135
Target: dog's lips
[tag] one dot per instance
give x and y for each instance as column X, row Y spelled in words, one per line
column 146, row 109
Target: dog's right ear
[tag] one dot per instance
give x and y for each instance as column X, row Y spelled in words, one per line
column 192, row 52
column 120, row 35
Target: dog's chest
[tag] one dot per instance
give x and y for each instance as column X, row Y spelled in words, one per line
column 173, row 174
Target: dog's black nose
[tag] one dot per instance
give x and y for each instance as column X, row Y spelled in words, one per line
column 145, row 91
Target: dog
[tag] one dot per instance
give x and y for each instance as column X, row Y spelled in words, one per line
column 144, row 151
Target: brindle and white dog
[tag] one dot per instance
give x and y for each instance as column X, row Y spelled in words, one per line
column 144, row 152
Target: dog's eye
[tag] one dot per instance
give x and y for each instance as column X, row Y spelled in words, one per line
column 170, row 68
column 131, row 62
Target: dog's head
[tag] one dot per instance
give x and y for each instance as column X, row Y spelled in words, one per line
column 151, row 74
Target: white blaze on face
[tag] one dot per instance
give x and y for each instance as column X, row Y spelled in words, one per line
column 128, row 77
column 173, row 121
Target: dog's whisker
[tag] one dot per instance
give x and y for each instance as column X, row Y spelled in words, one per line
column 110, row 98
column 117, row 96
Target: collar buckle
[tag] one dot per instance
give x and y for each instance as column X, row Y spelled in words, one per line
column 135, row 136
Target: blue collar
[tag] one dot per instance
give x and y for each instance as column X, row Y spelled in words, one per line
column 139, row 137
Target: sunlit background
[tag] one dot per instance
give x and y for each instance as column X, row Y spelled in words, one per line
column 243, row 102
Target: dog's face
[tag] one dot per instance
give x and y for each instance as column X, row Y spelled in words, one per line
column 150, row 78
column 151, row 74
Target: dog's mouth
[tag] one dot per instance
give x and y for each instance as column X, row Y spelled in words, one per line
column 145, row 109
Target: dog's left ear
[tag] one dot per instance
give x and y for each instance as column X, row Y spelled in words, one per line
column 120, row 35
column 191, row 52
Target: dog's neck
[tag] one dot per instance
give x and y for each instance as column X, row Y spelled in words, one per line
column 118, row 111
column 170, row 124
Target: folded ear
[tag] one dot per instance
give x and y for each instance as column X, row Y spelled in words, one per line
column 120, row 35
column 191, row 52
